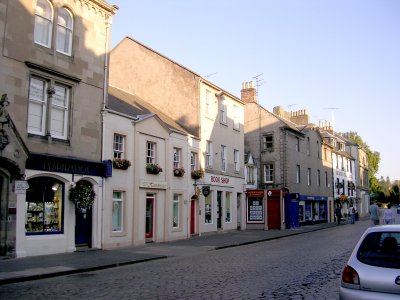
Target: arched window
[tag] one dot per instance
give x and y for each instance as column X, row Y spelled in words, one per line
column 64, row 31
column 44, row 203
column 43, row 23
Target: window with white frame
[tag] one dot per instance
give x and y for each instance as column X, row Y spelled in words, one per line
column 193, row 161
column 64, row 31
column 222, row 111
column 236, row 162
column 228, row 207
column 236, row 122
column 117, row 211
column 209, row 160
column 43, row 23
column 177, row 157
column 118, row 145
column 250, row 174
column 151, row 153
column 48, row 108
column 223, row 158
column 268, row 142
column 208, row 209
column 297, row 173
column 308, row 176
column 175, row 211
column 319, row 177
column 208, row 107
column 308, row 146
column 269, row 173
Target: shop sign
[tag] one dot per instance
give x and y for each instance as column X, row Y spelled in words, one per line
column 255, row 210
column 219, row 179
column 21, row 186
column 255, row 193
column 206, row 190
column 161, row 185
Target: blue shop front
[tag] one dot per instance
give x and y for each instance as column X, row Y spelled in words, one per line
column 313, row 209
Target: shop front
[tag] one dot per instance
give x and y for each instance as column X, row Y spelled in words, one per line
column 255, row 217
column 52, row 217
column 313, row 209
column 219, row 202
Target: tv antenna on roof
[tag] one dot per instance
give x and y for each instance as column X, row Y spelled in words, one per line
column 290, row 105
column 332, row 109
column 259, row 82
column 209, row 75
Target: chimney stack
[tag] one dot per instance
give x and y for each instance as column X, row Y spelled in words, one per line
column 248, row 92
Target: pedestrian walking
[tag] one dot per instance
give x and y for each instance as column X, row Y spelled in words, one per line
column 338, row 214
column 374, row 213
column 352, row 214
column 388, row 214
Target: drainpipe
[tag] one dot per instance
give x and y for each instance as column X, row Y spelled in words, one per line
column 103, row 107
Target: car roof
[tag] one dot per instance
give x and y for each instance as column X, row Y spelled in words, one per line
column 384, row 228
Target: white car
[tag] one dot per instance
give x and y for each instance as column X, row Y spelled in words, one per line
column 373, row 269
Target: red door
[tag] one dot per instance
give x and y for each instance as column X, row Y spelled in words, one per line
column 274, row 209
column 149, row 215
column 192, row 216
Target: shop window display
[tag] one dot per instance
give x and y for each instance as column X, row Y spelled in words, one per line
column 44, row 199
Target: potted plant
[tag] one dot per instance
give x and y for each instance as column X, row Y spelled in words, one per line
column 83, row 196
column 153, row 168
column 179, row 171
column 121, row 163
column 197, row 174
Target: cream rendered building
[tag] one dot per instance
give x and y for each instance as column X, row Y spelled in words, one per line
column 142, row 206
column 185, row 97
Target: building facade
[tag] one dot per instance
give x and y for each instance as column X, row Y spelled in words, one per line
column 211, row 115
column 53, row 66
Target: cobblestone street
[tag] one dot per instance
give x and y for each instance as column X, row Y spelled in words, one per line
column 305, row 266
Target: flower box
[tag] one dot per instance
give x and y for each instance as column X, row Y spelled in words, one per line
column 153, row 169
column 179, row 172
column 197, row 174
column 120, row 163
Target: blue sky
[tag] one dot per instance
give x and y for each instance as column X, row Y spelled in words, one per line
column 338, row 59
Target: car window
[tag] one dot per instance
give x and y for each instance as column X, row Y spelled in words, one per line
column 380, row 249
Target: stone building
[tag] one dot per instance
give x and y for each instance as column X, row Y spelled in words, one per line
column 291, row 157
column 53, row 70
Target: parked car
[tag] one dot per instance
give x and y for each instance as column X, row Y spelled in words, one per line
column 373, row 269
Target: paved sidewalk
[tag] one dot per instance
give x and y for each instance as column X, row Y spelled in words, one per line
column 37, row 267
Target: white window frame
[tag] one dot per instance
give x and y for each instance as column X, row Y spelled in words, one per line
column 211, row 208
column 319, row 177
column 250, row 174
column 48, row 122
column 176, row 202
column 151, row 148
column 236, row 123
column 177, row 154
column 236, row 161
column 208, row 104
column 209, row 157
column 223, row 112
column 223, row 158
column 119, row 146
column 44, row 20
column 228, row 207
column 193, row 161
column 120, row 202
column 269, row 173
column 309, row 176
column 64, row 31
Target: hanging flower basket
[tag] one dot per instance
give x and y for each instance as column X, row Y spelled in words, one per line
column 197, row 174
column 120, row 163
column 153, row 168
column 83, row 196
column 179, row 172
